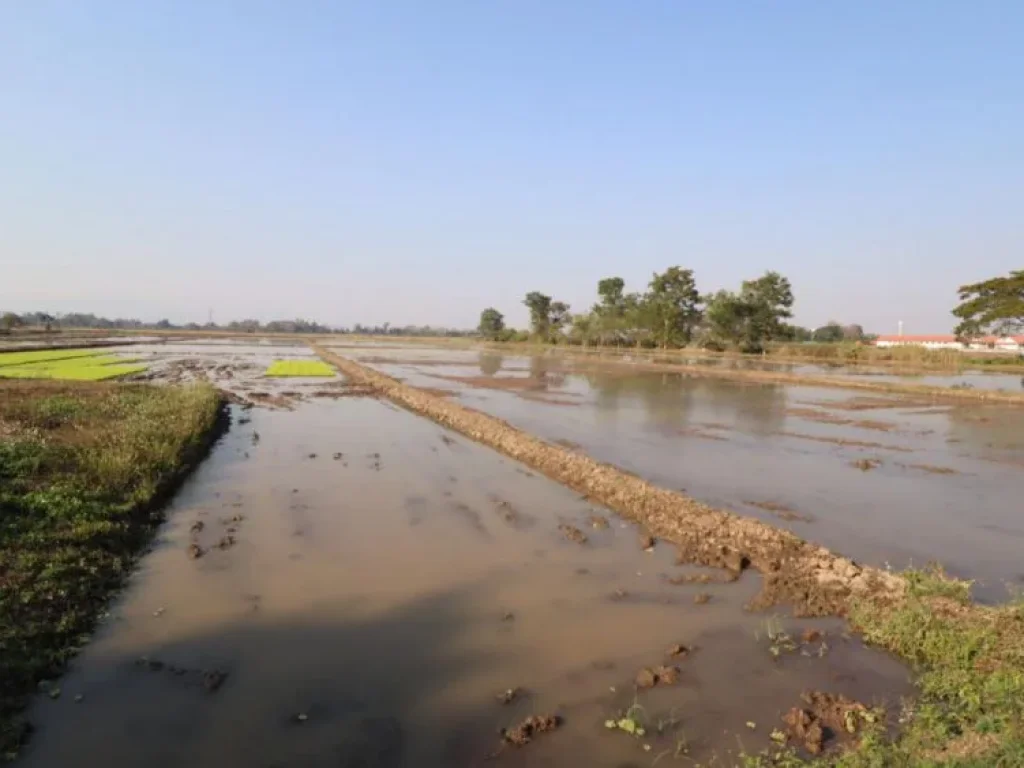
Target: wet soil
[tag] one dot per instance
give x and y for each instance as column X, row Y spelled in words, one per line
column 667, row 428
column 370, row 641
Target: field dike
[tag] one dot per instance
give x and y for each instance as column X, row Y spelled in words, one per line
column 815, row 581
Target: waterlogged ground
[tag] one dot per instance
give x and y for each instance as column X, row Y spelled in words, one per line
column 343, row 583
column 887, row 480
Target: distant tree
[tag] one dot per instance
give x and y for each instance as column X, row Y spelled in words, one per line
column 673, row 306
column 796, row 333
column 612, row 300
column 492, row 323
column 831, row 333
column 995, row 306
column 540, row 313
column 583, row 328
column 558, row 317
column 725, row 318
column 10, row 321
column 163, row 324
column 768, row 300
column 853, row 332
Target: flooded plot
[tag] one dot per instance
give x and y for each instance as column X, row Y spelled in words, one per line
column 346, row 584
column 887, row 480
column 243, row 370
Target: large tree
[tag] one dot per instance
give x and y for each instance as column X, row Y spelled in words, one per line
column 492, row 323
column 10, row 320
column 725, row 319
column 995, row 306
column 768, row 300
column 830, row 332
column 674, row 306
column 540, row 313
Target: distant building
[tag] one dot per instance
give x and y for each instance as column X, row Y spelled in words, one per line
column 1011, row 344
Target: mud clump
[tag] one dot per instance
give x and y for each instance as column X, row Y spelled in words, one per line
column 524, row 733
column 195, row 551
column 825, row 719
column 866, row 465
column 226, row 542
column 647, row 542
column 197, row 527
column 573, row 534
column 213, row 679
column 702, row 598
column 598, row 522
column 649, row 677
column 509, row 695
column 811, row 635
column 677, row 651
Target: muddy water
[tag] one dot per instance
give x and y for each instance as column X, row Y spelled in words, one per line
column 385, row 582
column 885, row 480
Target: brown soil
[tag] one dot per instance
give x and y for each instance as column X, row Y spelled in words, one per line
column 813, row 579
column 701, row 433
column 812, row 414
column 932, row 469
column 572, row 446
column 440, row 391
column 702, row 598
column 345, row 391
column 845, row 443
column 866, row 465
column 780, row 510
column 661, row 675
column 573, row 534
column 868, row 403
column 677, row 650
column 539, row 397
column 525, row 732
column 827, row 719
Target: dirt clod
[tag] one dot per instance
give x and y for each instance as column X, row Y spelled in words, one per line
column 646, row 542
column 825, row 719
column 811, row 635
column 677, row 650
column 598, row 522
column 661, row 675
column 214, row 679
column 702, row 598
column 524, row 733
column 509, row 695
column 195, row 551
column 197, row 526
column 573, row 534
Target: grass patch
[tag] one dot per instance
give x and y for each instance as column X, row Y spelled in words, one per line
column 82, row 466
column 282, row 368
column 969, row 711
column 45, row 356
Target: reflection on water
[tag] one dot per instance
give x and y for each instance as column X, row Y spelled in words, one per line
column 490, row 363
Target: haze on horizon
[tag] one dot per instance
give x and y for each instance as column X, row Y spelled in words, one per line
column 415, row 163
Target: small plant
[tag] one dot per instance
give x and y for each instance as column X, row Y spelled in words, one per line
column 286, row 368
column 631, row 721
column 779, row 641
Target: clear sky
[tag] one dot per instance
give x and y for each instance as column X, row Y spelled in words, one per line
column 414, row 162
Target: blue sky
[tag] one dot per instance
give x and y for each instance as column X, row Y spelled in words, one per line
column 414, row 162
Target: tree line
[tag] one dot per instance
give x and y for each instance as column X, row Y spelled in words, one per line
column 670, row 313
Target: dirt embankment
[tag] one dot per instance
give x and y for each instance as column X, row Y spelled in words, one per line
column 814, row 580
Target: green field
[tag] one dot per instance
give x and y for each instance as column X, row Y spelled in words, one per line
column 47, row 356
column 69, row 365
column 281, row 368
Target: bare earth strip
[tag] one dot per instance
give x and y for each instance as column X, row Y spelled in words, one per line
column 814, row 580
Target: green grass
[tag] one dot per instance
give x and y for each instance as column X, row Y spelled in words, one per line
column 281, row 368
column 969, row 661
column 81, row 466
column 45, row 356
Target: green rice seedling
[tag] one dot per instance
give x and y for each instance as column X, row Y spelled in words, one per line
column 46, row 356
column 283, row 368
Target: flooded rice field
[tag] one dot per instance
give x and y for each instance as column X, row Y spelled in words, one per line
column 343, row 583
column 888, row 480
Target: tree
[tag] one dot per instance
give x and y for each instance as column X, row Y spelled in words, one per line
column 768, row 300
column 830, row 333
column 540, row 313
column 995, row 306
column 558, row 316
column 853, row 332
column 612, row 301
column 674, row 305
column 492, row 323
column 725, row 318
column 10, row 321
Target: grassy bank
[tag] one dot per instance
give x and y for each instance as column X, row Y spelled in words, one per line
column 82, row 468
column 968, row 658
column 969, row 662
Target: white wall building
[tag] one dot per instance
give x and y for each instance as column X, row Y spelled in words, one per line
column 1009, row 344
